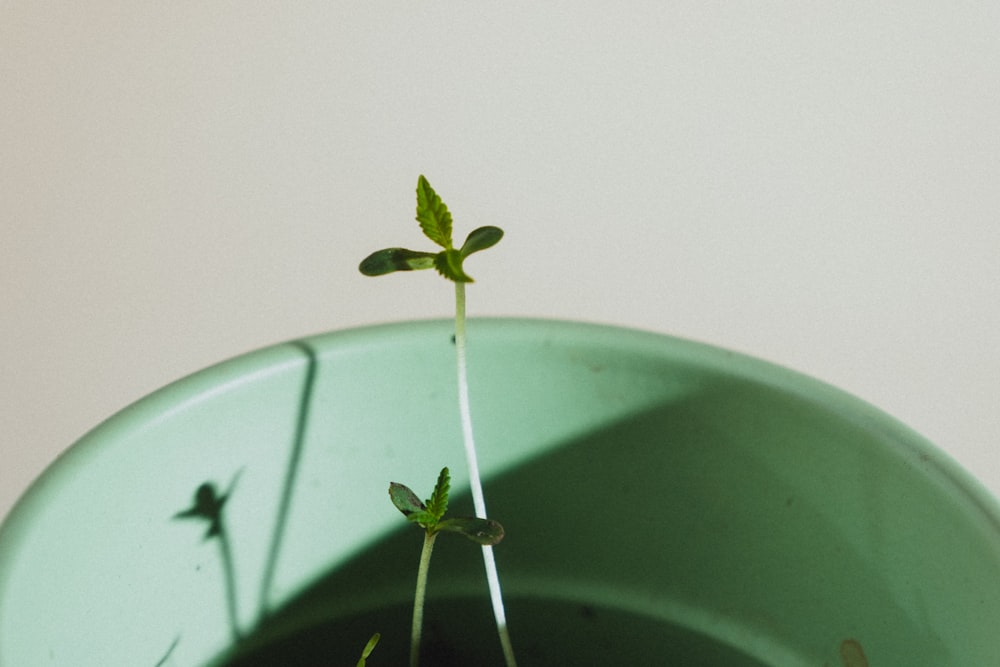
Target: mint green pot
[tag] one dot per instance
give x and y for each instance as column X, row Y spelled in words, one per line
column 665, row 503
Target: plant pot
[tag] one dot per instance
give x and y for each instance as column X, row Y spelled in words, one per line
column 665, row 502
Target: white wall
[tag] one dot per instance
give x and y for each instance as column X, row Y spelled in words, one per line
column 816, row 183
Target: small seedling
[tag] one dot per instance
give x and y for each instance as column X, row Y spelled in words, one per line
column 367, row 651
column 436, row 222
column 430, row 516
column 208, row 506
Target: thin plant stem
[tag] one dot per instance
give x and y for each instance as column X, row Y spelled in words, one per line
column 418, row 598
column 229, row 569
column 478, row 500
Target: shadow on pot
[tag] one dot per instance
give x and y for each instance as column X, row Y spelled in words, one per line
column 739, row 526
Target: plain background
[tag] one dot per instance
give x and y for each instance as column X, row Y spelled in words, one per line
column 813, row 183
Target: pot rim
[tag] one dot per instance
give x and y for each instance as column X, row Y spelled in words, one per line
column 276, row 357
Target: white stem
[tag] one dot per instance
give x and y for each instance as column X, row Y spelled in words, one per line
column 478, row 500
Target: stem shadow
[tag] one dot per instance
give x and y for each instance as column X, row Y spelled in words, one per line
column 291, row 474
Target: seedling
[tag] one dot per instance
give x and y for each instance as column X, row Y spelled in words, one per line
column 208, row 505
column 367, row 651
column 435, row 220
column 436, row 223
column 430, row 516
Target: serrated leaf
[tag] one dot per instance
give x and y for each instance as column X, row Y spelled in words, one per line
column 405, row 500
column 486, row 532
column 389, row 260
column 433, row 214
column 437, row 504
column 481, row 239
column 449, row 264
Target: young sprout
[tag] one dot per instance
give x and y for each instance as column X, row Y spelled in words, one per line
column 430, row 516
column 367, row 651
column 435, row 221
column 208, row 507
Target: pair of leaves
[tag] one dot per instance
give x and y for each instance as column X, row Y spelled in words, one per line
column 436, row 223
column 426, row 514
column 430, row 514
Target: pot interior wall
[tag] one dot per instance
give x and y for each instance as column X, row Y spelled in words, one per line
column 657, row 496
column 741, row 525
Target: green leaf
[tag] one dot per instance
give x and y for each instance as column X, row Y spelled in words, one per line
column 449, row 264
column 423, row 518
column 369, row 647
column 405, row 500
column 437, row 504
column 433, row 215
column 486, row 532
column 389, row 260
column 481, row 239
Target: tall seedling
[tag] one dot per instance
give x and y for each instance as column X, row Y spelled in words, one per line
column 435, row 221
